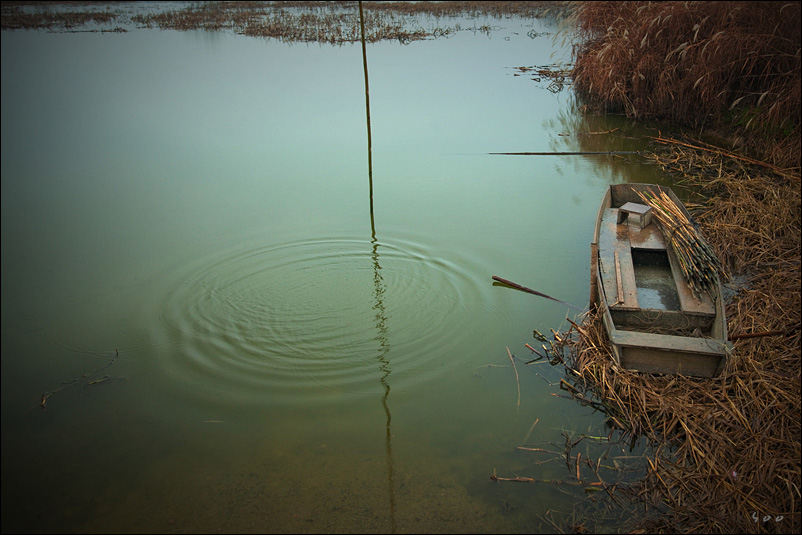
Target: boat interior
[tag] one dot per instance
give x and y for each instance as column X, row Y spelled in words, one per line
column 642, row 280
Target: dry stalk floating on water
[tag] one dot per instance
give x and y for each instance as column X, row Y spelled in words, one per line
column 531, row 291
column 517, row 382
column 580, row 153
column 85, row 377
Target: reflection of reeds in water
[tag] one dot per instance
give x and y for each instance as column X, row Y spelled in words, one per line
column 296, row 22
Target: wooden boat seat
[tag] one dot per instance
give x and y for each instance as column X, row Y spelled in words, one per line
column 649, row 237
column 615, row 263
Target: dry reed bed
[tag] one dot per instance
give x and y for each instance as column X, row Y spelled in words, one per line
column 726, row 451
column 326, row 22
column 302, row 21
column 711, row 65
column 14, row 18
column 496, row 8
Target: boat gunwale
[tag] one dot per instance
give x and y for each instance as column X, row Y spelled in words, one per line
column 716, row 346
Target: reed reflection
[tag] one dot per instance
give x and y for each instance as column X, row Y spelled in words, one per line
column 379, row 308
column 613, row 145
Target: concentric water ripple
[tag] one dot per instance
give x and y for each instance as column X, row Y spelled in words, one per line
column 313, row 320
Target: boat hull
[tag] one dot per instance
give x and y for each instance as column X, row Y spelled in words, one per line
column 662, row 327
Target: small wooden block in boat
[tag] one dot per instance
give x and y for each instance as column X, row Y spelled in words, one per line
column 636, row 214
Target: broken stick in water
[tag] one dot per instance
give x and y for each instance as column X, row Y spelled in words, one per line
column 531, row 291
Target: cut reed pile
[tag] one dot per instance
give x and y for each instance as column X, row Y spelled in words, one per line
column 726, row 451
column 699, row 263
column 732, row 66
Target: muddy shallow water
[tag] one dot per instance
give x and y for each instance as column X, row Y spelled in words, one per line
column 235, row 336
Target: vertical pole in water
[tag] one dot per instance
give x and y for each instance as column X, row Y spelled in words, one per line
column 380, row 316
column 367, row 107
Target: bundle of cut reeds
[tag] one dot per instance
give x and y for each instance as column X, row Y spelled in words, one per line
column 700, row 265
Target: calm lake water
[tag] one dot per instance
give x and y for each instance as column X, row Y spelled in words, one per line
column 233, row 336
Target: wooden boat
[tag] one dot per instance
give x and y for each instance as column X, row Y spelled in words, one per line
column 655, row 321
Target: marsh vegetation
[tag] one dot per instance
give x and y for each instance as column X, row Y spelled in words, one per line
column 732, row 67
column 727, row 451
column 335, row 22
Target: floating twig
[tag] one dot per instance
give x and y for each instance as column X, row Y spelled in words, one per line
column 84, row 377
column 516, row 376
column 524, row 479
column 530, row 430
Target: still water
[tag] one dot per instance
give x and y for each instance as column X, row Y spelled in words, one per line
column 232, row 335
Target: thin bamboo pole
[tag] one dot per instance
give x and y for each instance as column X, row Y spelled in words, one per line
column 367, row 100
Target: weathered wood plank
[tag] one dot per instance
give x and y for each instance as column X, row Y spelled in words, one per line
column 614, row 238
column 688, row 301
column 673, row 362
column 659, row 353
column 654, row 319
column 646, row 238
column 682, row 344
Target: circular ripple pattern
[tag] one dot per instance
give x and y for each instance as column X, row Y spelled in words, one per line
column 316, row 320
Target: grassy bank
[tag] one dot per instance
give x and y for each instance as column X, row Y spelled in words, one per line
column 726, row 451
column 731, row 67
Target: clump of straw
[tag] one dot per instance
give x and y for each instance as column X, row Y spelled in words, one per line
column 708, row 65
column 699, row 263
column 726, row 450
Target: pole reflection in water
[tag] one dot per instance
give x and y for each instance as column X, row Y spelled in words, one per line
column 381, row 316
column 384, row 366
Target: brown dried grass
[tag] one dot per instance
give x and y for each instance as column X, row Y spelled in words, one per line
column 731, row 66
column 14, row 18
column 334, row 22
column 726, row 451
